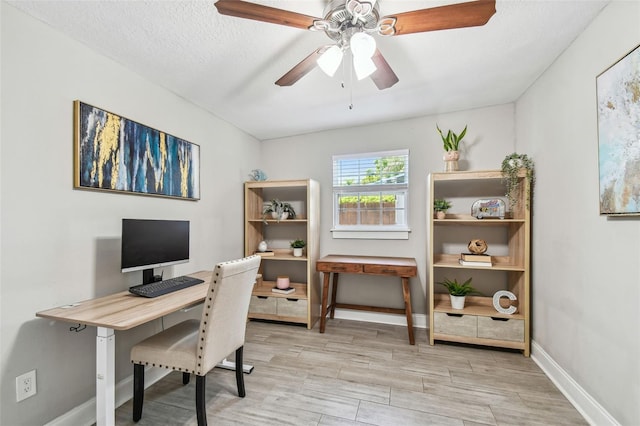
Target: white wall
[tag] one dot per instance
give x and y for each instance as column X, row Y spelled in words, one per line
column 61, row 245
column 586, row 267
column 490, row 136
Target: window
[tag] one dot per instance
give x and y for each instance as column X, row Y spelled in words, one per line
column 370, row 194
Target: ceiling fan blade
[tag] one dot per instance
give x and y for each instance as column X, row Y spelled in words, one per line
column 470, row 14
column 258, row 12
column 383, row 77
column 302, row 69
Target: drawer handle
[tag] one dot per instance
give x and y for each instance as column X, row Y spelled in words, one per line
column 292, row 300
column 389, row 271
column 455, row 315
column 499, row 319
column 339, row 268
column 262, row 297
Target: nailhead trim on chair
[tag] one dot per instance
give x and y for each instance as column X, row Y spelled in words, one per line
column 186, row 370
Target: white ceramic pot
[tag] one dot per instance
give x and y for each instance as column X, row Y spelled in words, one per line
column 457, row 302
column 440, row 215
column 262, row 246
column 297, row 252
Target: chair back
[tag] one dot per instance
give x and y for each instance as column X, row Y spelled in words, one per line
column 224, row 316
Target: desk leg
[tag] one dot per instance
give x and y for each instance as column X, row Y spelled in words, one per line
column 325, row 296
column 334, row 291
column 105, row 377
column 406, row 292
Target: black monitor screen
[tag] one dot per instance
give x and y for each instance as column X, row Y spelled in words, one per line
column 153, row 243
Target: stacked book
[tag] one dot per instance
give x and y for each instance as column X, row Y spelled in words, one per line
column 287, row 290
column 472, row 259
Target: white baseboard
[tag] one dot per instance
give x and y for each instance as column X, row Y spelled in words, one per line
column 591, row 410
column 85, row 413
column 419, row 320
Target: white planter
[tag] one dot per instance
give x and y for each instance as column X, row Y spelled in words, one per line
column 283, row 215
column 297, row 252
column 457, row 302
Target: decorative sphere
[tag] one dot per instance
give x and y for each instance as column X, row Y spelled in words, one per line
column 477, row 246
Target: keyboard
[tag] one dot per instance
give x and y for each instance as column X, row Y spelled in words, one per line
column 159, row 288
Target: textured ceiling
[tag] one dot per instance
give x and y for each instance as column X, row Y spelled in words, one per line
column 228, row 65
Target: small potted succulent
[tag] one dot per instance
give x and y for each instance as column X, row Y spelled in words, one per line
column 458, row 291
column 440, row 207
column 297, row 246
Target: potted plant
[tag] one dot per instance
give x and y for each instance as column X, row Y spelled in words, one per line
column 440, row 207
column 297, row 246
column 451, row 144
column 458, row 291
column 278, row 210
column 511, row 166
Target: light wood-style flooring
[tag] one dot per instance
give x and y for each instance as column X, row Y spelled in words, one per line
column 360, row 373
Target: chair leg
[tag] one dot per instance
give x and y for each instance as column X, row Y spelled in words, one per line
column 201, row 410
column 185, row 378
column 138, row 391
column 239, row 372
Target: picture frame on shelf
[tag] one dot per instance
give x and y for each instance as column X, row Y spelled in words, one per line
column 116, row 154
column 618, row 130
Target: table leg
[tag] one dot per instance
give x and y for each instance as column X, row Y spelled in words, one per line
column 105, row 377
column 334, row 291
column 325, row 296
column 406, row 292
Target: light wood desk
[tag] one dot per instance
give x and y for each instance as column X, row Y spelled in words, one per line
column 121, row 311
column 403, row 267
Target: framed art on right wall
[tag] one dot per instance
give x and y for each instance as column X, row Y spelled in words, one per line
column 618, row 95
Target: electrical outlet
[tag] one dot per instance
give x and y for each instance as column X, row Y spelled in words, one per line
column 25, row 385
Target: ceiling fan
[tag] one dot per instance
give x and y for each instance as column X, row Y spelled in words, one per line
column 350, row 23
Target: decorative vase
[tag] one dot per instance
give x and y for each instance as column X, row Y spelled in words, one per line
column 262, row 246
column 440, row 214
column 451, row 161
column 297, row 252
column 457, row 302
column 282, row 282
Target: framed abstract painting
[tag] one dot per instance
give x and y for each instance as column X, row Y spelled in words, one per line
column 618, row 94
column 113, row 153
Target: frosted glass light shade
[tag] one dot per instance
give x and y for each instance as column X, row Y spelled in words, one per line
column 363, row 67
column 330, row 60
column 363, row 45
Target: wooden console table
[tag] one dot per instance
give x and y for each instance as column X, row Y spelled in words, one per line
column 403, row 267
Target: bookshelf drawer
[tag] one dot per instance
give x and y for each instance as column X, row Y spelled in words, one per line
column 263, row 305
column 455, row 325
column 292, row 307
column 501, row 329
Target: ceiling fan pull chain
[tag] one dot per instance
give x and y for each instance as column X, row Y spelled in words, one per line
column 350, row 81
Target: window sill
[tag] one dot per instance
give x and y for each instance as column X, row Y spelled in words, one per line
column 371, row 235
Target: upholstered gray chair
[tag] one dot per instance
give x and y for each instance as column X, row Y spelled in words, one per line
column 196, row 347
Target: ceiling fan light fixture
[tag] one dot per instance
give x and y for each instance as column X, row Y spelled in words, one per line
column 363, row 47
column 330, row 60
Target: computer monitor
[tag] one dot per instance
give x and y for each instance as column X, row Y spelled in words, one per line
column 148, row 244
